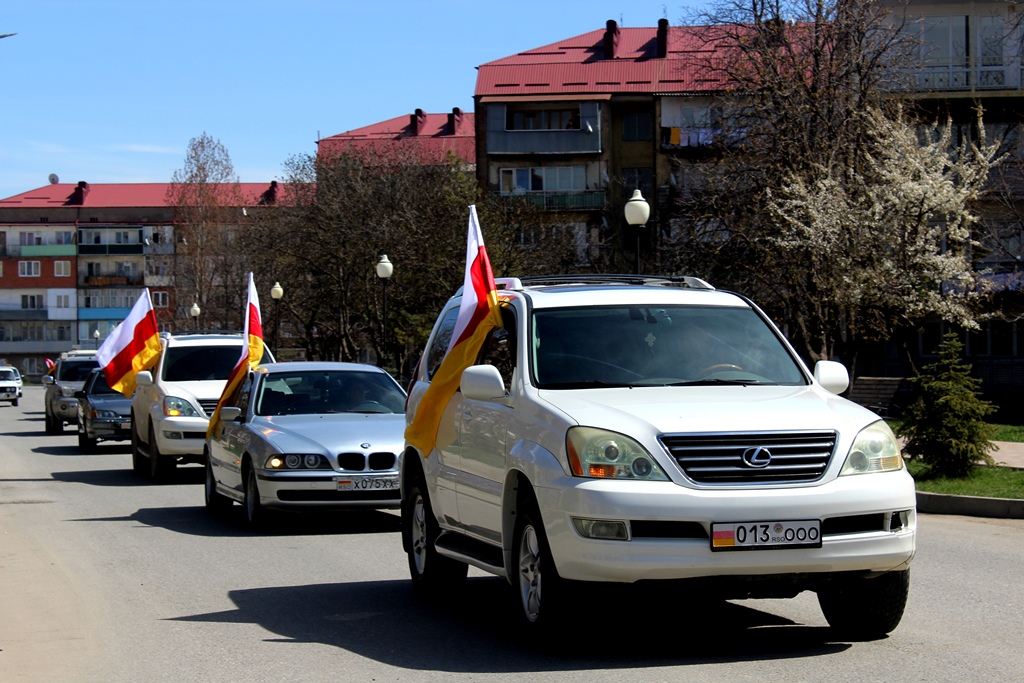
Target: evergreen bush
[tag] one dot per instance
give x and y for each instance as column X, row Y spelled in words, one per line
column 945, row 427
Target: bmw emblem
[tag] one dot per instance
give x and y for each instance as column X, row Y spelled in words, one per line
column 364, row 445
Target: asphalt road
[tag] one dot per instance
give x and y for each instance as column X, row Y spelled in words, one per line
column 105, row 577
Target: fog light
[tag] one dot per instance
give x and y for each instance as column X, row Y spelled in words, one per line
column 605, row 529
column 172, row 435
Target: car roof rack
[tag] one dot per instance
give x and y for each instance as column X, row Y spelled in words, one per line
column 687, row 281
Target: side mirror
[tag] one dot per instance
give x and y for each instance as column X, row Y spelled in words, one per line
column 230, row 413
column 47, row 379
column 832, row 376
column 144, row 379
column 79, row 394
column 482, row 383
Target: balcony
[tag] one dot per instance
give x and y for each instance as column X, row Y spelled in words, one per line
column 48, row 250
column 111, row 281
column 966, row 75
column 109, row 249
column 576, row 200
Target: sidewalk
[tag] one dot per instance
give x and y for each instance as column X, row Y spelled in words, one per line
column 1008, row 454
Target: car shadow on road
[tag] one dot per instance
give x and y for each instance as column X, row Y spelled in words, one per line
column 196, row 521
column 473, row 628
column 101, row 449
column 181, row 476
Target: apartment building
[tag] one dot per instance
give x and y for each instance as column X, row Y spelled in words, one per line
column 429, row 138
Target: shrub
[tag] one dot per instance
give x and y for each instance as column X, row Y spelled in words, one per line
column 945, row 426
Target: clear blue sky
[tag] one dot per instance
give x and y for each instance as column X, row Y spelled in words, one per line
column 112, row 90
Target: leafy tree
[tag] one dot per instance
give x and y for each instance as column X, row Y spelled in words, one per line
column 208, row 263
column 778, row 205
column 945, row 428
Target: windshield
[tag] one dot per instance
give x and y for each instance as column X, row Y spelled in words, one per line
column 7, row 376
column 99, row 385
column 599, row 346
column 76, row 370
column 197, row 363
column 330, row 391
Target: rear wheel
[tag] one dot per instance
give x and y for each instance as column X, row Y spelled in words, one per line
column 216, row 502
column 866, row 609
column 160, row 466
column 428, row 569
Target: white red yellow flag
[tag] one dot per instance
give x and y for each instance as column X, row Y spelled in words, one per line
column 479, row 313
column 252, row 353
column 133, row 346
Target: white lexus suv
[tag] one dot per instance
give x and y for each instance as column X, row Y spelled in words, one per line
column 623, row 429
column 172, row 404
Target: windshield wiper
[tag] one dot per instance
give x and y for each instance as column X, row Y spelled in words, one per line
column 713, row 380
column 589, row 384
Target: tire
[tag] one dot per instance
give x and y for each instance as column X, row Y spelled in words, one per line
column 53, row 426
column 138, row 460
column 866, row 609
column 430, row 571
column 85, row 443
column 256, row 516
column 14, row 403
column 160, row 466
column 540, row 591
column 216, row 502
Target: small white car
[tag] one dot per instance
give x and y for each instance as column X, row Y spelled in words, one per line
column 305, row 436
column 625, row 429
column 10, row 384
column 173, row 402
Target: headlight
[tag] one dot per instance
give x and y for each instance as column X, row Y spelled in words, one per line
column 602, row 454
column 106, row 414
column 294, row 461
column 179, row 407
column 874, row 450
column 66, row 391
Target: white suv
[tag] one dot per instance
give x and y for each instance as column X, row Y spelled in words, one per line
column 172, row 404
column 621, row 429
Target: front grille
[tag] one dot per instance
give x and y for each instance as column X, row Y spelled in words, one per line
column 719, row 458
column 357, row 462
column 209, row 405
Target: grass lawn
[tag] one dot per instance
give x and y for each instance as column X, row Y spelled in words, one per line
column 987, row 482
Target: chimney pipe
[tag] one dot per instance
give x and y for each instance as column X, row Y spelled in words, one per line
column 611, row 39
column 80, row 193
column 417, row 122
column 454, row 121
column 662, row 38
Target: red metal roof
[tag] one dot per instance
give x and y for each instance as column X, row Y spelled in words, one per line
column 114, row 195
column 433, row 142
column 578, row 65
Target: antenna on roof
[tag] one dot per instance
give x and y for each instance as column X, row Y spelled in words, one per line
column 54, row 179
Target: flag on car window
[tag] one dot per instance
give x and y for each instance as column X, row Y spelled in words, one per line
column 252, row 353
column 479, row 313
column 133, row 346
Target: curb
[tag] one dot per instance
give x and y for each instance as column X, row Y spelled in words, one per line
column 971, row 506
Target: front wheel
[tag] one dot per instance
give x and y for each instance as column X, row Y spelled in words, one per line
column 866, row 609
column 53, row 425
column 255, row 514
column 85, row 443
column 540, row 589
column 160, row 466
column 428, row 569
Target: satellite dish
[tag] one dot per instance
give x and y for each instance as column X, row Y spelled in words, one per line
column 54, row 179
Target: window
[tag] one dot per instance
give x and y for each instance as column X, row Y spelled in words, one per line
column 28, row 268
column 128, row 269
column 121, row 237
column 543, row 179
column 62, row 268
column 540, row 118
column 30, row 238
column 65, row 237
column 636, row 126
column 32, row 301
column 158, row 266
column 62, row 301
column 94, row 269
column 160, row 299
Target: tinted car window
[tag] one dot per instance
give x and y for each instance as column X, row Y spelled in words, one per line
column 635, row 345
column 332, row 391
column 196, row 363
column 76, row 370
column 99, row 385
column 7, row 376
column 439, row 344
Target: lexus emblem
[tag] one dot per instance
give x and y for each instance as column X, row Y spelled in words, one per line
column 758, row 457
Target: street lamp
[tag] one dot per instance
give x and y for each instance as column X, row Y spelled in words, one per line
column 276, row 292
column 637, row 212
column 194, row 312
column 384, row 270
column 96, row 337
